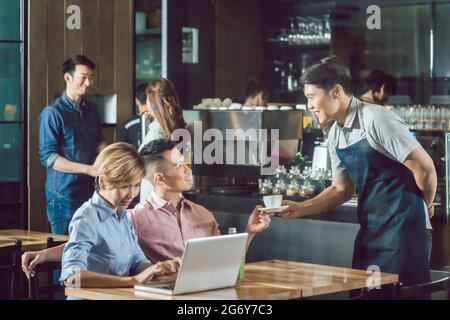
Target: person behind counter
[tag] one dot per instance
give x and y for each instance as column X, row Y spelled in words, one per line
column 381, row 85
column 103, row 250
column 164, row 107
column 371, row 148
column 255, row 94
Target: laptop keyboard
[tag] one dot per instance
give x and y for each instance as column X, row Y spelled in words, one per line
column 168, row 287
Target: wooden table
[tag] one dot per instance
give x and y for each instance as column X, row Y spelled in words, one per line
column 273, row 280
column 31, row 240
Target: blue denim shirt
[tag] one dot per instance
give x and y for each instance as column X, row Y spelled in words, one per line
column 101, row 241
column 74, row 133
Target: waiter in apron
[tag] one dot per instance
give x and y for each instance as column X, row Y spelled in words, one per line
column 372, row 149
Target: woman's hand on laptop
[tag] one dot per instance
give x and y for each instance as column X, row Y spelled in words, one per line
column 258, row 221
column 169, row 267
column 162, row 268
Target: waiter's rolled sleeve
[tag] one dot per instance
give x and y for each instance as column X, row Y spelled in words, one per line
column 48, row 137
column 394, row 136
column 77, row 249
column 51, row 159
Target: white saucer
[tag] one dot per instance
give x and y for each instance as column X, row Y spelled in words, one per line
column 274, row 209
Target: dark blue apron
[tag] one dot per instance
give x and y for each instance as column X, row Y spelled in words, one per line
column 391, row 213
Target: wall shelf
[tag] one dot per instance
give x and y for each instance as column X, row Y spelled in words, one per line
column 149, row 32
column 283, row 47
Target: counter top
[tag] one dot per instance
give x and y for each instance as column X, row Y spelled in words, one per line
column 246, row 203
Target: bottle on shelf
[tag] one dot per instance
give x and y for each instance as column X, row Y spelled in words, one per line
column 291, row 78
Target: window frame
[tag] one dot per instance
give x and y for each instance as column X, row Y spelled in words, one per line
column 23, row 119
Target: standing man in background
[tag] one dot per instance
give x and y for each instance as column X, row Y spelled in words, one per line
column 69, row 140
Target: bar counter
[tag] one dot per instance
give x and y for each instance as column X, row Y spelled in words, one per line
column 246, row 203
column 325, row 238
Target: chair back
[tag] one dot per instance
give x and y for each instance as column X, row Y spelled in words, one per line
column 10, row 268
column 47, row 290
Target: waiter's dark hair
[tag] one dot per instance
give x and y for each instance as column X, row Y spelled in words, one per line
column 377, row 78
column 70, row 64
column 327, row 73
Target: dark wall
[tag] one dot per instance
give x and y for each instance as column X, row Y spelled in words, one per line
column 229, row 48
column 201, row 76
column 238, row 45
column 176, row 70
column 193, row 81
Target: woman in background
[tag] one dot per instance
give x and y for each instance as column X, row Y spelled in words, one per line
column 163, row 106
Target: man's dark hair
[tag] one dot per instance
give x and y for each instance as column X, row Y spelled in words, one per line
column 152, row 154
column 70, row 64
column 141, row 93
column 327, row 73
column 377, row 78
column 156, row 147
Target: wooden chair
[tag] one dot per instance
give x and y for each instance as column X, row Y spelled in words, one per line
column 440, row 281
column 10, row 268
column 47, row 291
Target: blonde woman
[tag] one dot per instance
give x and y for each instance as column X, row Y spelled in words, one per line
column 103, row 250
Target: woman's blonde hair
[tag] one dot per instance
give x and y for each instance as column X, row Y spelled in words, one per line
column 119, row 164
column 165, row 106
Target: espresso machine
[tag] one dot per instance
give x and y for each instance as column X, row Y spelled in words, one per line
column 245, row 140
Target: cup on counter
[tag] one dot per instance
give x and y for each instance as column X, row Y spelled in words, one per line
column 273, row 201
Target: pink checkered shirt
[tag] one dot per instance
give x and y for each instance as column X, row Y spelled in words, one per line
column 163, row 230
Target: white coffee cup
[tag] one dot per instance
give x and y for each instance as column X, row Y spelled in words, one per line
column 273, row 201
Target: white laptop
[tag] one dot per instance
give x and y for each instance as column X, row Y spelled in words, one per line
column 207, row 263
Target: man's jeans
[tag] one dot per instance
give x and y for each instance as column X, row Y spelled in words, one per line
column 60, row 211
